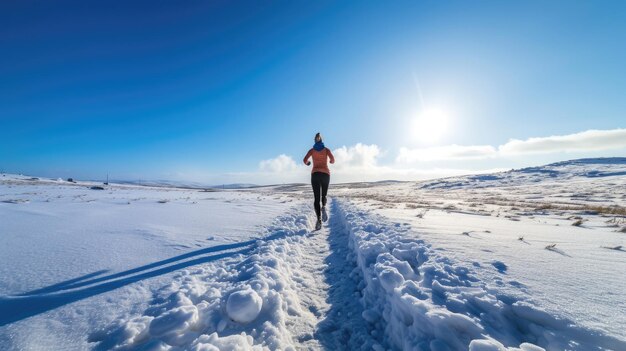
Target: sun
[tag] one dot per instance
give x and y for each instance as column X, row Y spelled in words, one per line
column 430, row 125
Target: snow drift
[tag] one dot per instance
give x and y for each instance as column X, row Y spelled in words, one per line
column 416, row 298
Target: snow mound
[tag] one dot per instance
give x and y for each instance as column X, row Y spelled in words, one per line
column 417, row 299
column 174, row 320
column 245, row 301
column 214, row 342
column 492, row 345
column 243, row 306
column 565, row 170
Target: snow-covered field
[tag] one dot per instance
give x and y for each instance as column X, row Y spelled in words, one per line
column 526, row 259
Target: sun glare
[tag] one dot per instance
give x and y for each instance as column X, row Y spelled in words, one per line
column 430, row 125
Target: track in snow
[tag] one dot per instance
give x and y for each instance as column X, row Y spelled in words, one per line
column 359, row 283
column 334, row 298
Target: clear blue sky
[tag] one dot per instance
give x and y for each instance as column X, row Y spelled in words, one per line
column 145, row 89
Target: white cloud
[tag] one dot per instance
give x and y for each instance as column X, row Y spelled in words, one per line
column 352, row 163
column 359, row 156
column 587, row 141
column 448, row 152
column 362, row 162
column 280, row 164
column 590, row 140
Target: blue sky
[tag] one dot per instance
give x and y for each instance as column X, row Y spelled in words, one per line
column 220, row 91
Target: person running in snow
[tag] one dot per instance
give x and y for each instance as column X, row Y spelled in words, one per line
column 320, row 176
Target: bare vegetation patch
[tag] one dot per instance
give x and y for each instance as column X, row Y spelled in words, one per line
column 616, row 221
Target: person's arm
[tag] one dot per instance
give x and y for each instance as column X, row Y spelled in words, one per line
column 330, row 155
column 308, row 154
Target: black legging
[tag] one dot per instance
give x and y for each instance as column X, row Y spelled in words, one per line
column 320, row 181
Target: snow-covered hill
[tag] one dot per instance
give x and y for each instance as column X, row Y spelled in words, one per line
column 566, row 170
column 185, row 185
column 526, row 259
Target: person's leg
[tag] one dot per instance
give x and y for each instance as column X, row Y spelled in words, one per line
column 316, row 184
column 324, row 183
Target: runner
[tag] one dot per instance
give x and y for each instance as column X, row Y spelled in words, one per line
column 320, row 177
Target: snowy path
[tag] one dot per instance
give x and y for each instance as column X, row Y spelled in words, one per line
column 307, row 280
column 343, row 328
column 308, row 267
column 364, row 282
column 361, row 283
column 334, row 295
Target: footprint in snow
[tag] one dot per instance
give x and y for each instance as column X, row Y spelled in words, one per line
column 500, row 266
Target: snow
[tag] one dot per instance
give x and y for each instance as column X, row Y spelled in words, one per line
column 489, row 262
column 249, row 296
column 491, row 345
column 482, row 225
column 74, row 259
column 429, row 301
column 243, row 306
column 227, row 343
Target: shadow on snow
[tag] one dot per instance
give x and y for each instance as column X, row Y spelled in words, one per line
column 32, row 303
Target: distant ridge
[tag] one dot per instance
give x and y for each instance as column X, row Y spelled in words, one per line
column 185, row 185
column 577, row 168
column 590, row 161
column 583, row 167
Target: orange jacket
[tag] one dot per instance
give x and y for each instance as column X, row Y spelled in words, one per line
column 320, row 160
